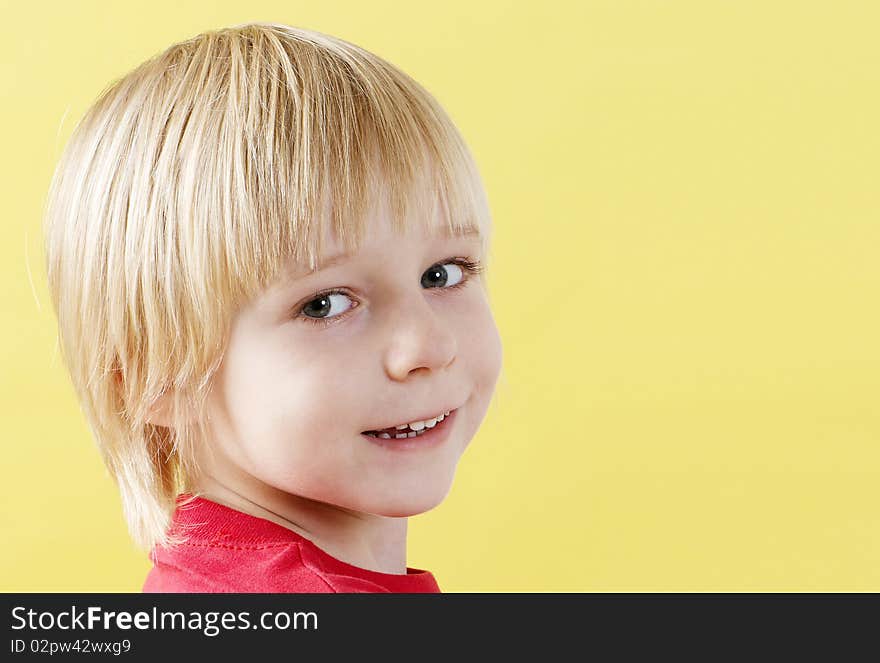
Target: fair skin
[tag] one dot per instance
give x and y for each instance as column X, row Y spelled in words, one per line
column 293, row 397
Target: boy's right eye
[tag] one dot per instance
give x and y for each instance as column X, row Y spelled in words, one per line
column 318, row 309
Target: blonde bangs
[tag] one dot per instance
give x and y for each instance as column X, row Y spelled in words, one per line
column 189, row 185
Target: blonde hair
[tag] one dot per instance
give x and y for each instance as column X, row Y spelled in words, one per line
column 185, row 189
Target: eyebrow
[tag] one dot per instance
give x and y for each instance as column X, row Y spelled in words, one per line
column 445, row 234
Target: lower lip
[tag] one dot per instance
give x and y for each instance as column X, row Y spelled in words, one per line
column 435, row 436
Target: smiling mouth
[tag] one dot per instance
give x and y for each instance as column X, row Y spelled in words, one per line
column 414, row 429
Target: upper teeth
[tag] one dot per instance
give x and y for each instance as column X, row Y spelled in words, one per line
column 427, row 423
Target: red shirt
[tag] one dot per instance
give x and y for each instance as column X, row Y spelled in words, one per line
column 231, row 551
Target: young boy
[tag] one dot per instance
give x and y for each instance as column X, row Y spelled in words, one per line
column 266, row 249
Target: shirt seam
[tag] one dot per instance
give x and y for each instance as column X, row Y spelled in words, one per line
column 245, row 546
column 317, row 572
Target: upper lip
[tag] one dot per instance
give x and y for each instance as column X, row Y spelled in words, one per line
column 408, row 421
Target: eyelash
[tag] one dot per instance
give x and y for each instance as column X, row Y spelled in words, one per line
column 470, row 268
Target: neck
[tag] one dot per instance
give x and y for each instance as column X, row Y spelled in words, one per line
column 376, row 543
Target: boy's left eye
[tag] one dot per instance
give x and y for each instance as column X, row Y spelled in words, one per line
column 448, row 275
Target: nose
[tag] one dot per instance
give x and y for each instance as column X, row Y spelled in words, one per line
column 421, row 337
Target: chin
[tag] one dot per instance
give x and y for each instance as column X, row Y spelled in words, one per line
column 400, row 506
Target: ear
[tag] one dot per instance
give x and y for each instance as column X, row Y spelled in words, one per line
column 160, row 411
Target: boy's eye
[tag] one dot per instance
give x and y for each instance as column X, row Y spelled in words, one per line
column 448, row 275
column 438, row 276
column 320, row 307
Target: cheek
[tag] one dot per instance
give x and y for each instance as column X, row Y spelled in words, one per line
column 480, row 351
column 283, row 402
column 483, row 347
column 309, row 400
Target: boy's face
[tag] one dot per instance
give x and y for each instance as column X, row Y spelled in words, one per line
column 294, row 396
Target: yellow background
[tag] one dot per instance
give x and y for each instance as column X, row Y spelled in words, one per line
column 685, row 275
